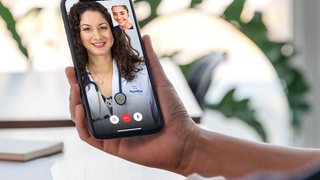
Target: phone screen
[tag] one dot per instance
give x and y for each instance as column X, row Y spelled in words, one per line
column 112, row 68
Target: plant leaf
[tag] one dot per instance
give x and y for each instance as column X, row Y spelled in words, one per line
column 234, row 10
column 195, row 2
column 34, row 10
column 240, row 109
column 11, row 26
column 295, row 84
column 154, row 4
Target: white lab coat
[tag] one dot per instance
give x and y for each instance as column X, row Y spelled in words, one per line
column 139, row 99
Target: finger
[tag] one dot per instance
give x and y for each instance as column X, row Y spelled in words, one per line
column 82, row 128
column 74, row 99
column 158, row 75
column 71, row 75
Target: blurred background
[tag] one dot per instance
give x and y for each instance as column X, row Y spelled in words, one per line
column 252, row 65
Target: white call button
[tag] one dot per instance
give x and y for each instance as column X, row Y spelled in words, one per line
column 137, row 116
column 114, row 119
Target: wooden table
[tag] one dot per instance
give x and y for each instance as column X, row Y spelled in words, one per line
column 41, row 99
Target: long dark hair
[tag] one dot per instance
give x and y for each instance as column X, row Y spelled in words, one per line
column 125, row 55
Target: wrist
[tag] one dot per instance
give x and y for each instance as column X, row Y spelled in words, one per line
column 197, row 154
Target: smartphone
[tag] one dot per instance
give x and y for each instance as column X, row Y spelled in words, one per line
column 112, row 68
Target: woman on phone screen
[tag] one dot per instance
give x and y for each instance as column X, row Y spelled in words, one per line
column 108, row 63
column 121, row 15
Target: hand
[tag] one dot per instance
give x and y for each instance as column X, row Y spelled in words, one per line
column 169, row 149
column 183, row 147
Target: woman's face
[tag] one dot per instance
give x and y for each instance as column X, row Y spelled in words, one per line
column 120, row 15
column 95, row 33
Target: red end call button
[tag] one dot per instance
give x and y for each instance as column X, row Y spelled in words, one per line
column 126, row 118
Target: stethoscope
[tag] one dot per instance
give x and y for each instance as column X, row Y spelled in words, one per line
column 120, row 98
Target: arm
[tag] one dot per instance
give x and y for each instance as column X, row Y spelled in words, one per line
column 182, row 146
column 232, row 157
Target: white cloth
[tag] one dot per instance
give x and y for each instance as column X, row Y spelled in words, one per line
column 198, row 177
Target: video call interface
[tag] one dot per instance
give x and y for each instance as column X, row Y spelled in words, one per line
column 131, row 107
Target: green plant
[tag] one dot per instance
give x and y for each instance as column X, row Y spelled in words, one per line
column 295, row 84
column 229, row 106
column 153, row 6
column 241, row 110
column 11, row 26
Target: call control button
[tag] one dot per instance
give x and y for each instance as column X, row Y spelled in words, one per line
column 114, row 119
column 126, row 118
column 138, row 116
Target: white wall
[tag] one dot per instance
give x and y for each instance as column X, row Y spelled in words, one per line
column 306, row 35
